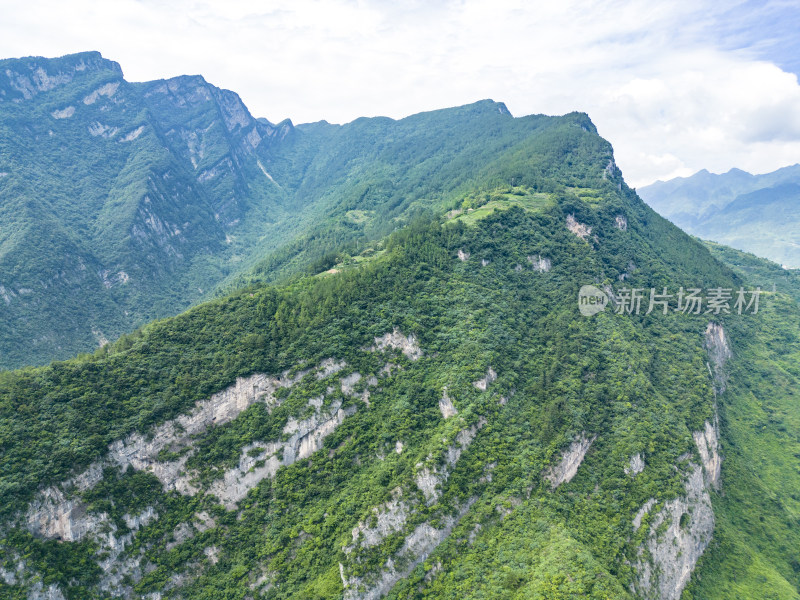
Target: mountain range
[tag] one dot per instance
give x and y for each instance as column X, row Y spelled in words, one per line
column 754, row 213
column 396, row 390
column 124, row 202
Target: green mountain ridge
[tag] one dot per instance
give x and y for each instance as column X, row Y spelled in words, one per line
column 761, row 272
column 171, row 190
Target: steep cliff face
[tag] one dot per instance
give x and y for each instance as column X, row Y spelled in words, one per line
column 218, row 140
column 567, row 467
column 165, row 181
column 61, row 513
column 26, row 78
column 682, row 529
column 716, row 342
column 417, row 547
column 679, row 534
column 128, row 212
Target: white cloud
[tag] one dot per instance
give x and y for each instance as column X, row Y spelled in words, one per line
column 709, row 109
column 654, row 77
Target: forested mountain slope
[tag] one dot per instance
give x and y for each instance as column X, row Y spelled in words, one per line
column 758, row 271
column 122, row 202
column 430, row 418
column 118, row 199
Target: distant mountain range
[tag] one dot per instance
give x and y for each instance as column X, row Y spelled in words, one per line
column 755, row 213
column 123, row 202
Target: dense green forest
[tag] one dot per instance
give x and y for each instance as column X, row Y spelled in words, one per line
column 434, row 473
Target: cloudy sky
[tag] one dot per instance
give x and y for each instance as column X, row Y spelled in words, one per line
column 675, row 86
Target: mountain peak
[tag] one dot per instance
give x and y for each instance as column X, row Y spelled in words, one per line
column 735, row 171
column 493, row 106
column 23, row 78
column 583, row 120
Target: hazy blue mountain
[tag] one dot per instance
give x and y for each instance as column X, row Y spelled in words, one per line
column 123, row 202
column 755, row 213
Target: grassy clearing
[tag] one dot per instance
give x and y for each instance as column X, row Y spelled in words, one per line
column 529, row 201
